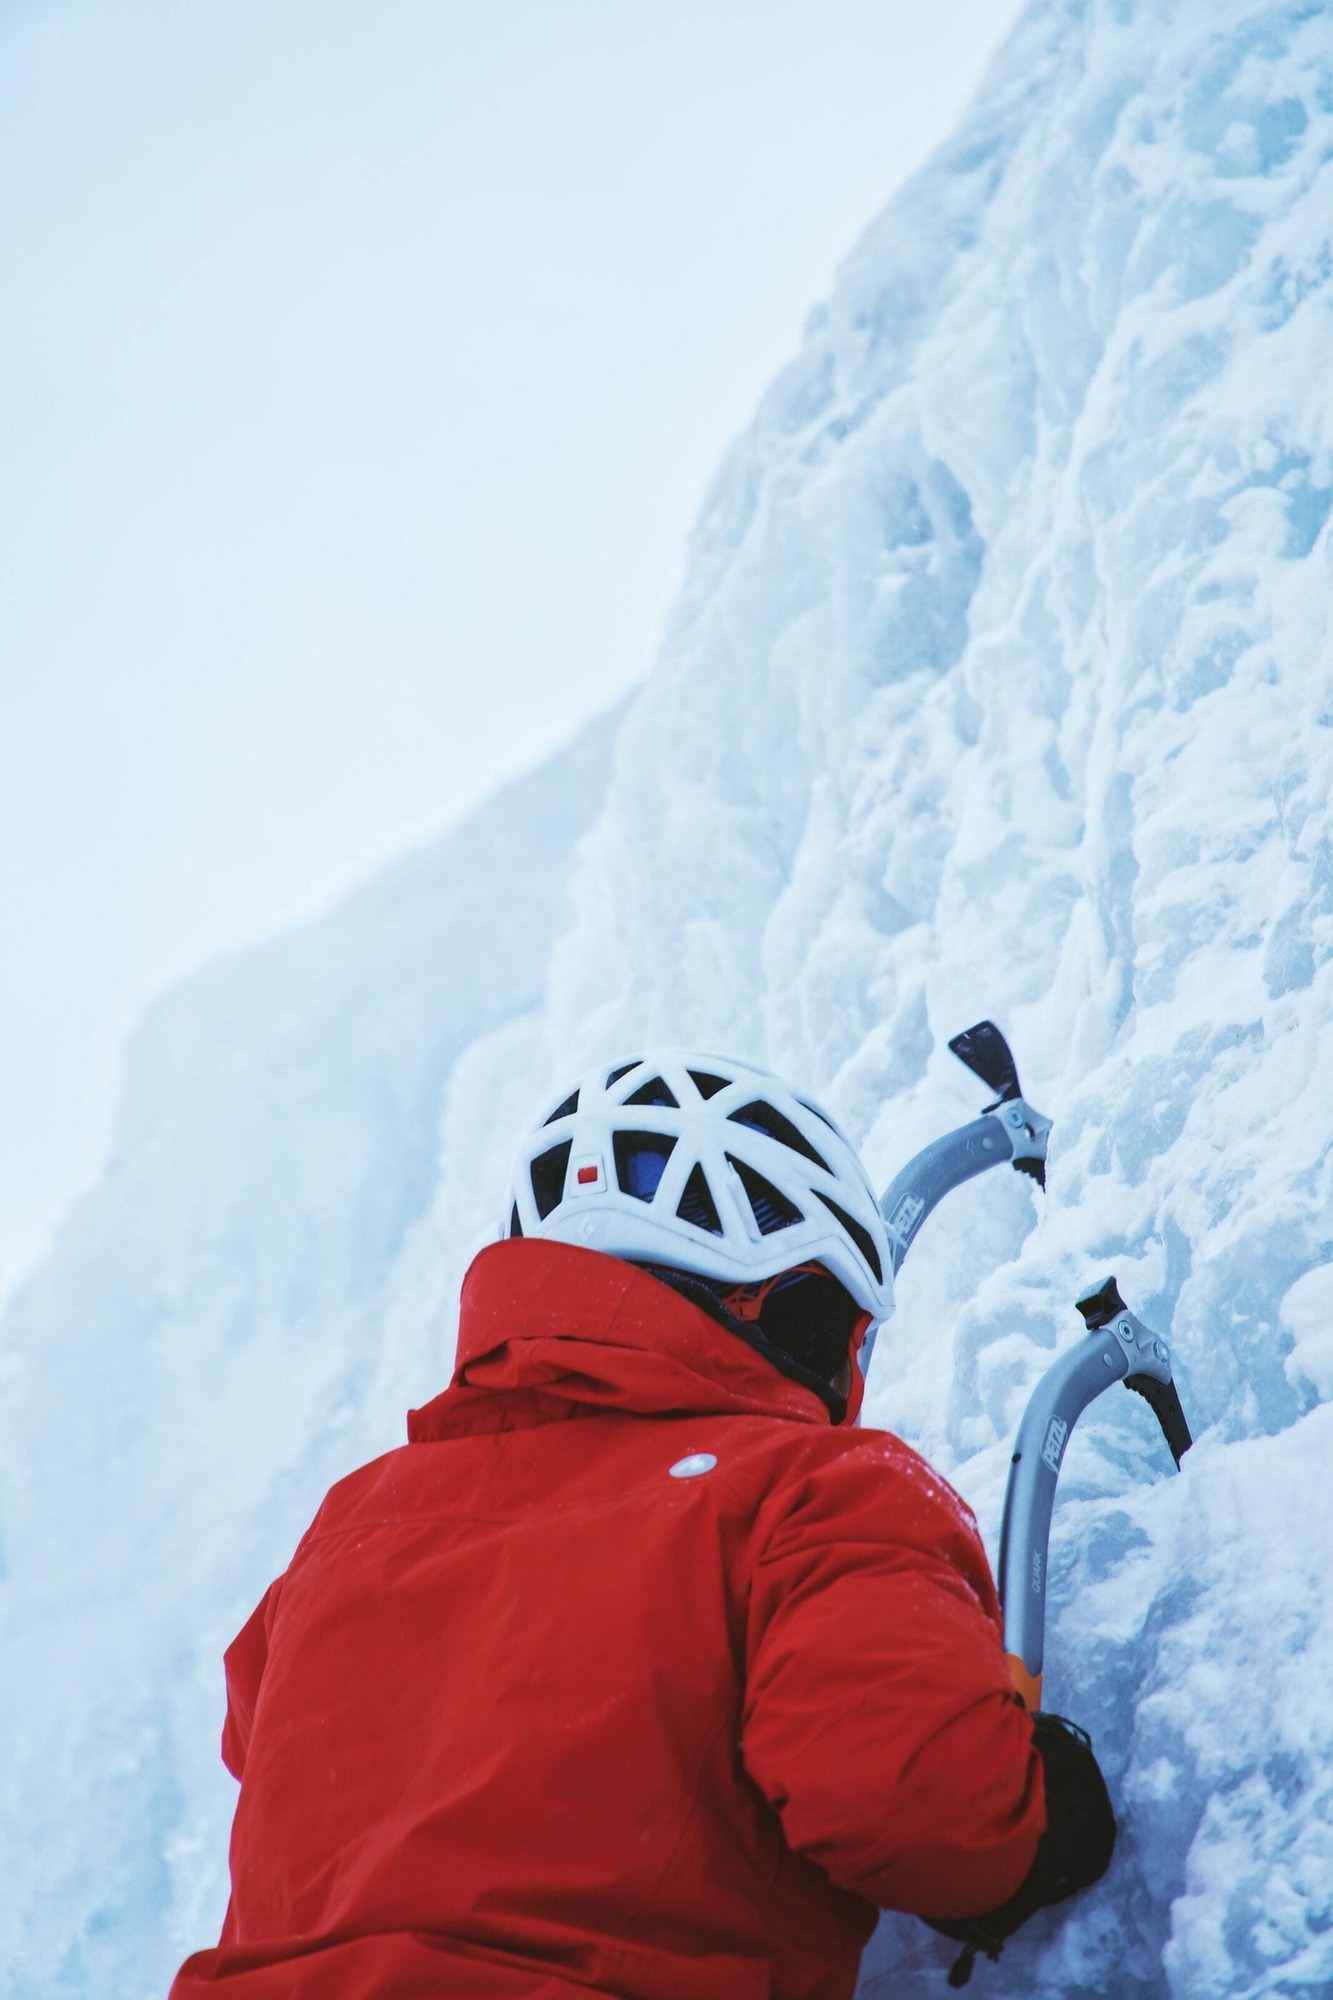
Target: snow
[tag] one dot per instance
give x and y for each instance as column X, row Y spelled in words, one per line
column 1000, row 684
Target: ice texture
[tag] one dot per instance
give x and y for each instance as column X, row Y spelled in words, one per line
column 1000, row 684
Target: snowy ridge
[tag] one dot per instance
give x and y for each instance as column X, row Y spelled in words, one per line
column 199, row 1355
column 1001, row 683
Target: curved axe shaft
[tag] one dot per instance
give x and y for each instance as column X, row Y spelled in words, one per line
column 1119, row 1348
column 1010, row 1129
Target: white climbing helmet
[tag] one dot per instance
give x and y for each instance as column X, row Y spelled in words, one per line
column 707, row 1165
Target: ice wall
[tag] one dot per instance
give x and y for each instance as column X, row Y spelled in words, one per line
column 1001, row 683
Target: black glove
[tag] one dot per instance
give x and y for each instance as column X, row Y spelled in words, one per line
column 1073, row 1852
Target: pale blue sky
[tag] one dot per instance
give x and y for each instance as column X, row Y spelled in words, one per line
column 361, row 368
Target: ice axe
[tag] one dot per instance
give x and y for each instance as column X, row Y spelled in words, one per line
column 1008, row 1130
column 1118, row 1348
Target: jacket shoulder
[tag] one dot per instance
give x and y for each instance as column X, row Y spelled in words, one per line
column 348, row 1496
column 864, row 1489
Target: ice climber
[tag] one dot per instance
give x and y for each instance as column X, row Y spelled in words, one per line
column 640, row 1669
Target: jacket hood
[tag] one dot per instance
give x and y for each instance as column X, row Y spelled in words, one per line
column 548, row 1330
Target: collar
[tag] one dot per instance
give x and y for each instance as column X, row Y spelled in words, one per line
column 549, row 1330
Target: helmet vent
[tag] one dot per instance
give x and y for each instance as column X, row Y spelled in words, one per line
column 707, row 1084
column 565, row 1110
column 761, row 1117
column 859, row 1234
column 772, row 1210
column 697, row 1205
column 515, row 1226
column 655, row 1092
column 624, row 1070
column 641, row 1159
column 548, row 1177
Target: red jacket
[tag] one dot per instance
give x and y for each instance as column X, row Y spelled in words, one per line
column 628, row 1675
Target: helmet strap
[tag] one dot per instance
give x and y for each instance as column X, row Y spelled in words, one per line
column 747, row 1301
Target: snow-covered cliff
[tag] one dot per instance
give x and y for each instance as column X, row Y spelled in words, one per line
column 1001, row 683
